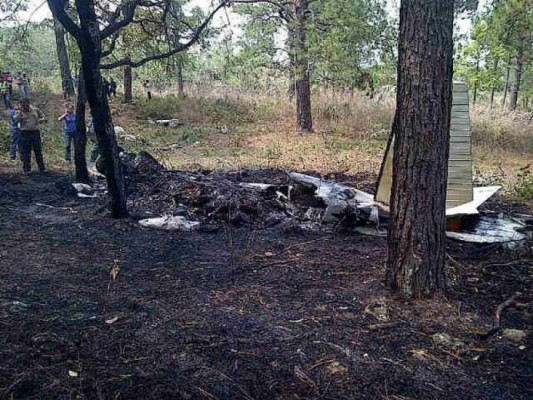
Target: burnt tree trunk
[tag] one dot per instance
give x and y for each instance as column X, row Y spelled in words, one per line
column 80, row 139
column 62, row 56
column 304, row 118
column 493, row 89
column 128, row 83
column 91, row 49
column 416, row 238
column 515, row 88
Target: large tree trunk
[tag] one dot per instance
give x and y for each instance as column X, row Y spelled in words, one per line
column 493, row 89
column 80, row 139
column 128, row 83
column 515, row 89
column 91, row 50
column 62, row 55
column 421, row 128
column 304, row 118
column 507, row 76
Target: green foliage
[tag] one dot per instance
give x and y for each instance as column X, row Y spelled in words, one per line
column 348, row 38
column 31, row 49
column 524, row 186
column 498, row 35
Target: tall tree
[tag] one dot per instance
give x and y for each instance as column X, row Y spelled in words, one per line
column 80, row 139
column 302, row 67
column 421, row 127
column 91, row 32
column 293, row 17
column 62, row 56
column 89, row 39
column 513, row 20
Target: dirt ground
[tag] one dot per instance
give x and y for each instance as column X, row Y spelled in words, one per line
column 239, row 313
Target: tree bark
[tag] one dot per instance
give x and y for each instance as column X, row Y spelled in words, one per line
column 515, row 89
column 304, row 118
column 128, row 83
column 493, row 89
column 80, row 139
column 91, row 50
column 64, row 65
column 478, row 60
column 416, row 238
column 507, row 76
column 181, row 91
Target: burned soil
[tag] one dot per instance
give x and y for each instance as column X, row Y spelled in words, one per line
column 96, row 308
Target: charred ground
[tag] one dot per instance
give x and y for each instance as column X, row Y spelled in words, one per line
column 249, row 312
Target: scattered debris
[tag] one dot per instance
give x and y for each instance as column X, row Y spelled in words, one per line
column 170, row 223
column 510, row 302
column 487, row 229
column 128, row 138
column 445, row 340
column 342, row 202
column 84, row 190
column 514, row 335
column 171, row 123
column 378, row 309
column 271, row 198
column 111, row 320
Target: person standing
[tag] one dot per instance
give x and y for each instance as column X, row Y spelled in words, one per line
column 19, row 82
column 112, row 88
column 70, row 130
column 148, row 88
column 9, row 80
column 25, row 85
column 15, row 133
column 4, row 90
column 29, row 118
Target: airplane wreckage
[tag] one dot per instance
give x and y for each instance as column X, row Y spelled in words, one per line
column 189, row 200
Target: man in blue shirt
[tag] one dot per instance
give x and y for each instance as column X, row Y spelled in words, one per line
column 70, row 130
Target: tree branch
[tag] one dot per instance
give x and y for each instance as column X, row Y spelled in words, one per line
column 58, row 11
column 178, row 48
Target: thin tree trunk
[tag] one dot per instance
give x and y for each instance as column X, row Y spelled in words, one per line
column 493, row 89
column 91, row 50
column 416, row 238
column 478, row 56
column 291, row 39
column 80, row 139
column 181, row 91
column 62, row 55
column 128, row 82
column 515, row 89
column 304, row 117
column 507, row 76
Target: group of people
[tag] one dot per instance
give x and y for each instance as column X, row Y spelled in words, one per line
column 7, row 81
column 26, row 136
column 24, row 121
column 110, row 87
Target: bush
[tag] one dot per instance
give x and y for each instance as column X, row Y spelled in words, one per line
column 524, row 186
